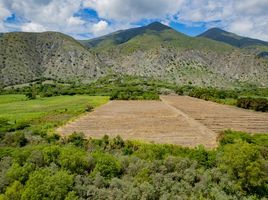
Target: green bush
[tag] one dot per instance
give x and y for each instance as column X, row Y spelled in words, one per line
column 74, row 159
column 78, row 139
column 107, row 165
column 257, row 104
column 47, row 184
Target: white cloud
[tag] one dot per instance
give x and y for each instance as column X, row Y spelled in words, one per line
column 33, row 27
column 100, row 27
column 4, row 12
column 245, row 17
column 132, row 11
column 75, row 21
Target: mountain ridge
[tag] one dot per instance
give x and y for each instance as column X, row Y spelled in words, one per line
column 231, row 38
column 155, row 51
column 122, row 36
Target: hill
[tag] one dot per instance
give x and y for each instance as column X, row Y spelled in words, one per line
column 123, row 36
column 25, row 57
column 231, row 38
column 166, row 54
column 155, row 51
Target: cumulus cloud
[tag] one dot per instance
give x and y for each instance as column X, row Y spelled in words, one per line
column 100, row 27
column 132, row 11
column 245, row 17
column 33, row 27
column 75, row 21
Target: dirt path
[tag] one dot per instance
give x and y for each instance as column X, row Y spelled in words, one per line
column 176, row 119
column 142, row 120
column 219, row 117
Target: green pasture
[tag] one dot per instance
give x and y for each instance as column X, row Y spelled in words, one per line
column 47, row 112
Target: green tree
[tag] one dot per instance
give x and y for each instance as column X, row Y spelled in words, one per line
column 13, row 192
column 107, row 165
column 244, row 162
column 74, row 159
column 47, row 184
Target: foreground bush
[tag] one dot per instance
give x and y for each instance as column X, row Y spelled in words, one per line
column 77, row 168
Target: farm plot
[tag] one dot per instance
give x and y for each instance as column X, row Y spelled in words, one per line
column 142, row 120
column 219, row 117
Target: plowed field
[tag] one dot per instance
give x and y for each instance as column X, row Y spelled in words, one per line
column 175, row 119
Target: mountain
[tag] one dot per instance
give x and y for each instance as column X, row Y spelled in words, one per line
column 120, row 37
column 231, row 38
column 155, row 51
column 166, row 54
column 25, row 57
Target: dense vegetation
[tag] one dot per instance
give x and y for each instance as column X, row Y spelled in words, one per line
column 76, row 168
column 257, row 104
column 142, row 88
column 248, row 98
column 36, row 163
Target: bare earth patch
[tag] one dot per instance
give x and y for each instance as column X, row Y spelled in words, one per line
column 142, row 120
column 218, row 117
column 177, row 120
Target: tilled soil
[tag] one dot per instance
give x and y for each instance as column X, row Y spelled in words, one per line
column 151, row 121
column 218, row 117
column 176, row 119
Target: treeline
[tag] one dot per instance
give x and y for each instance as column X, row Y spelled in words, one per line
column 255, row 101
column 124, row 87
column 117, row 87
column 257, row 104
column 78, row 168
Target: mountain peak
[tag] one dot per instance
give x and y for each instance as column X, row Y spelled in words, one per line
column 157, row 26
column 231, row 38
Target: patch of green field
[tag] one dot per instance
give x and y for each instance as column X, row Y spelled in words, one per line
column 12, row 98
column 45, row 112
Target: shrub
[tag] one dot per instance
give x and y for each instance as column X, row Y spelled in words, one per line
column 257, row 104
column 16, row 139
column 243, row 162
column 74, row 159
column 78, row 139
column 47, row 184
column 89, row 108
column 107, row 165
column 30, row 95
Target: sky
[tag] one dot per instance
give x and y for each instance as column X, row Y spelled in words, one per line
column 84, row 19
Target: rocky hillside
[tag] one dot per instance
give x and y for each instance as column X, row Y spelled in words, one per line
column 166, row 54
column 154, row 51
column 231, row 38
column 258, row 47
column 25, row 57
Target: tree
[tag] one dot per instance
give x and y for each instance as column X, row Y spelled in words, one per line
column 13, row 192
column 74, row 159
column 107, row 165
column 47, row 184
column 31, row 95
column 243, row 162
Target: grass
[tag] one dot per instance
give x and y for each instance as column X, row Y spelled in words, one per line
column 45, row 112
column 12, row 98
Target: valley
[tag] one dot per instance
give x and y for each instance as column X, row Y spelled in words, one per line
column 141, row 113
column 177, row 120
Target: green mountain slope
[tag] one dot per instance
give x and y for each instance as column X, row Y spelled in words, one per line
column 154, row 51
column 120, row 37
column 169, row 55
column 231, row 38
column 25, row 57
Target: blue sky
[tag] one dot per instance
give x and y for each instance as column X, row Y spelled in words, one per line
column 84, row 19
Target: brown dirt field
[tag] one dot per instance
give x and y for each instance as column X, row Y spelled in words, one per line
column 176, row 119
column 152, row 121
column 218, row 117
